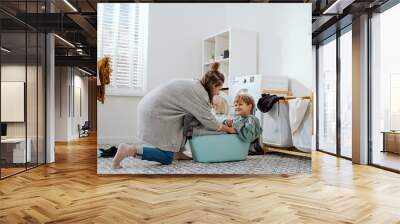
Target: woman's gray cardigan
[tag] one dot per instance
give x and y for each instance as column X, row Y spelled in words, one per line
column 161, row 113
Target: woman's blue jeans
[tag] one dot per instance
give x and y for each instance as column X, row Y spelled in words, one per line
column 157, row 155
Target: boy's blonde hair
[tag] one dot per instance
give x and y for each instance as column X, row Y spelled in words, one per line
column 247, row 99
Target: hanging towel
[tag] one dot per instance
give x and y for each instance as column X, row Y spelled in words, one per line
column 104, row 75
column 300, row 123
column 297, row 112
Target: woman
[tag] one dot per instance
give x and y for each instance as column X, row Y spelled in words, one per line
column 161, row 113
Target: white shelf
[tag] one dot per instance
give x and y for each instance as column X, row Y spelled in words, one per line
column 225, row 60
column 242, row 47
column 222, row 60
column 224, row 34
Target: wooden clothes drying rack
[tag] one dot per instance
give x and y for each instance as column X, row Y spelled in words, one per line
column 289, row 96
column 285, row 99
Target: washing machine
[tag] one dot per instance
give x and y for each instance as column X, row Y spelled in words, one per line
column 221, row 106
column 251, row 85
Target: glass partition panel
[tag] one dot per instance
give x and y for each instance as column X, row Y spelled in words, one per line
column 15, row 151
column 22, row 78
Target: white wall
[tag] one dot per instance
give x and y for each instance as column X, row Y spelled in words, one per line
column 82, row 82
column 175, row 35
column 80, row 115
column 61, row 103
column 66, row 121
column 284, row 32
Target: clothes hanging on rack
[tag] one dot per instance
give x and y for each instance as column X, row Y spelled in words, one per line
column 300, row 120
column 267, row 101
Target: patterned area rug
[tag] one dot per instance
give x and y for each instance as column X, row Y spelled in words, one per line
column 254, row 165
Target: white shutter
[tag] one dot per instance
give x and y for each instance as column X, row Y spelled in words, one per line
column 122, row 35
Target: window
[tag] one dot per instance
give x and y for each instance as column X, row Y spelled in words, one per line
column 122, row 35
column 346, row 94
column 327, row 97
column 385, row 89
column 335, row 94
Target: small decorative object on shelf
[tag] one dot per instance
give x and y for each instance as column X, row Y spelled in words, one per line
column 226, row 53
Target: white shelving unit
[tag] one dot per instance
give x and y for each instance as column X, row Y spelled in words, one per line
column 243, row 53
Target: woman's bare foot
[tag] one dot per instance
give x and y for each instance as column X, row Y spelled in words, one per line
column 182, row 156
column 124, row 150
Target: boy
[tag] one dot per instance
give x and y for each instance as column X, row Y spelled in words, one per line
column 245, row 124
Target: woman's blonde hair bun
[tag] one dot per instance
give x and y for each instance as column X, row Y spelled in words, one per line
column 214, row 66
column 211, row 79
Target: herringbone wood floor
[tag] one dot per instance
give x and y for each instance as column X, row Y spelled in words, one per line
column 70, row 191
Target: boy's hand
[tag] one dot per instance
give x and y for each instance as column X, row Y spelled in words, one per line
column 229, row 123
column 227, row 129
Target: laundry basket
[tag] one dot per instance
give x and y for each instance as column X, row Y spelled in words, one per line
column 276, row 127
column 218, row 148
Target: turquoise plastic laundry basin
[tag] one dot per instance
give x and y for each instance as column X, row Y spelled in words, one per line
column 218, row 148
